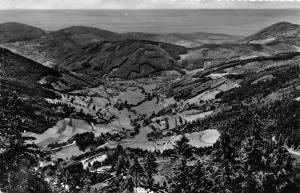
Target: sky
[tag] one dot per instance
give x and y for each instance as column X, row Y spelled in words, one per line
column 147, row 4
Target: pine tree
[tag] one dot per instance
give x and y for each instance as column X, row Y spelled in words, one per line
column 167, row 126
column 200, row 180
column 116, row 155
column 120, row 167
column 118, row 182
column 180, row 120
column 225, row 156
column 181, row 182
column 136, row 170
column 150, row 168
column 19, row 154
column 130, row 184
column 182, row 147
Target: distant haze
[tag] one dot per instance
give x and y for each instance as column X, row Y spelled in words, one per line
column 147, row 4
column 239, row 22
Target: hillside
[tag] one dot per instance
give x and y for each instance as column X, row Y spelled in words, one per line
column 63, row 47
column 188, row 40
column 276, row 39
column 83, row 35
column 79, row 36
column 11, row 32
column 122, row 59
column 241, row 61
column 95, row 52
column 277, row 31
column 16, row 67
column 27, row 76
column 102, row 53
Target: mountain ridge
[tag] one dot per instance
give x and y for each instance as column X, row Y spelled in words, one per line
column 102, row 53
column 14, row 31
column 276, row 31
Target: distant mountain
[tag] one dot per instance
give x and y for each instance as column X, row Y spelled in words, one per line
column 265, row 64
column 52, row 47
column 79, row 36
column 97, row 52
column 11, row 32
column 119, row 59
column 188, row 40
column 83, row 35
column 280, row 38
column 277, row 31
column 100, row 53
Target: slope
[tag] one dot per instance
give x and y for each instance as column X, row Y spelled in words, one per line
column 11, row 32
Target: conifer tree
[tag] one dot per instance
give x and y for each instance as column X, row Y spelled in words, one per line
column 130, row 184
column 150, row 168
column 180, row 120
column 167, row 126
column 136, row 170
column 201, row 179
column 181, row 181
column 182, row 146
column 224, row 156
column 120, row 167
column 19, row 155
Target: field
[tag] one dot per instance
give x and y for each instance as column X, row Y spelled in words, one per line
column 119, row 104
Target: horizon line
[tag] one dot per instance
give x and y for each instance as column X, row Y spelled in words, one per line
column 157, row 9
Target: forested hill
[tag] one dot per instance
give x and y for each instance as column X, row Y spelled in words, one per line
column 12, row 32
